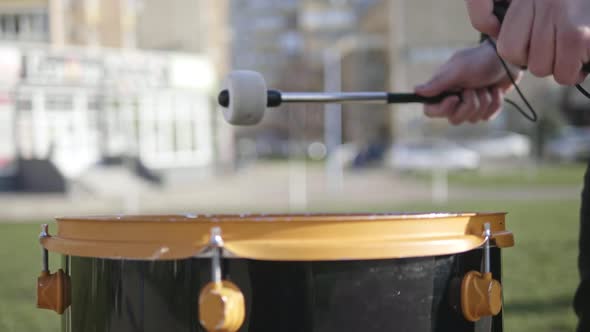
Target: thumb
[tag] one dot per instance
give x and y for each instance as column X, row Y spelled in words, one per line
column 447, row 79
column 481, row 14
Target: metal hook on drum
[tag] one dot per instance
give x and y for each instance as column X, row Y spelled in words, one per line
column 221, row 302
column 53, row 289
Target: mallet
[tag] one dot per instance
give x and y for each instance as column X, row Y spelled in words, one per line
column 245, row 97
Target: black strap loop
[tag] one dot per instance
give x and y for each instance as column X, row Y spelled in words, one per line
column 532, row 115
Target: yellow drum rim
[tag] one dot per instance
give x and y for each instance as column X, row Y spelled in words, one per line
column 287, row 237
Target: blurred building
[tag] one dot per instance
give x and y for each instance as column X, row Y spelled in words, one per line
column 264, row 36
column 423, row 34
column 189, row 26
column 387, row 45
column 108, row 23
column 294, row 44
column 194, row 27
column 287, row 41
column 26, row 20
column 78, row 91
column 324, row 22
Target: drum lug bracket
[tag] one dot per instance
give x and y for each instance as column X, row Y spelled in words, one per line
column 481, row 294
column 53, row 289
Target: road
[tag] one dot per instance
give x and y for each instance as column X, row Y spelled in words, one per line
column 266, row 187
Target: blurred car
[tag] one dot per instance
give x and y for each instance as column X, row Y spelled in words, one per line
column 7, row 167
column 343, row 155
column 572, row 144
column 500, row 145
column 7, row 174
column 431, row 154
column 273, row 145
column 371, row 154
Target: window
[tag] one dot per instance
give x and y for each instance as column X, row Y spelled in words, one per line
column 25, row 26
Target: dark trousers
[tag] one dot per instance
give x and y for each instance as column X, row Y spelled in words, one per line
column 582, row 298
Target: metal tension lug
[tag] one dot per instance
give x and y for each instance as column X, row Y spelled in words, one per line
column 481, row 294
column 53, row 289
column 221, row 302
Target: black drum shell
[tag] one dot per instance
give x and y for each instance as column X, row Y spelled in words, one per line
column 411, row 294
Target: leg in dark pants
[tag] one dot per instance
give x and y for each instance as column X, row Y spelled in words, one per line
column 582, row 298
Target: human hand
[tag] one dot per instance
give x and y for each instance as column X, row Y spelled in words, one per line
column 549, row 37
column 479, row 74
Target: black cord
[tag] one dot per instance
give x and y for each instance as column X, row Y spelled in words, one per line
column 533, row 115
column 583, row 91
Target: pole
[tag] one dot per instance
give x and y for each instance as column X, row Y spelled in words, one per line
column 333, row 119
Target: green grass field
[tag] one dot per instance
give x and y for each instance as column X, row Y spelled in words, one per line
column 532, row 177
column 21, row 256
column 539, row 272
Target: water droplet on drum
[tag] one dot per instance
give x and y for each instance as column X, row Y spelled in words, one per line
column 161, row 251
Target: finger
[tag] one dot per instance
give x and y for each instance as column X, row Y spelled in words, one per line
column 513, row 41
column 541, row 58
column 569, row 56
column 443, row 109
column 485, row 99
column 582, row 77
column 481, row 15
column 496, row 104
column 447, row 78
column 506, row 84
column 469, row 105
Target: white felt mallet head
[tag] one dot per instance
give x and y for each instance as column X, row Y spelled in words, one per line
column 247, row 98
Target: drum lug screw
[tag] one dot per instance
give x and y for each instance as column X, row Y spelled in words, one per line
column 481, row 294
column 216, row 245
column 53, row 289
column 221, row 302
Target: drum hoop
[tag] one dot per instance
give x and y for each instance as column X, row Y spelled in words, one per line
column 304, row 237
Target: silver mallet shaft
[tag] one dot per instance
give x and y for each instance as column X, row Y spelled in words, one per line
column 276, row 98
column 335, row 97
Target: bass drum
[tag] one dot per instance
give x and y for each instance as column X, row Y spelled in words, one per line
column 295, row 272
